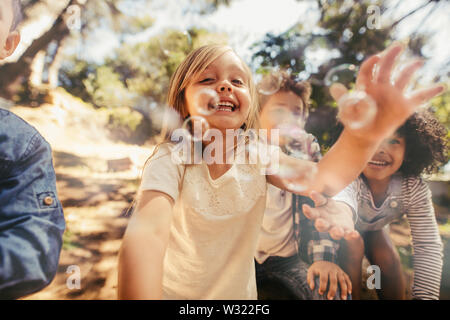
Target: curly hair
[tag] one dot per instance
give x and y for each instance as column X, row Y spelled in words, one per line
column 426, row 144
column 425, row 141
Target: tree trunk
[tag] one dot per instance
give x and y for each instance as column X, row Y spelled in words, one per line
column 55, row 65
column 37, row 69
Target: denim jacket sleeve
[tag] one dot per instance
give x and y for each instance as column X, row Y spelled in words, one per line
column 31, row 216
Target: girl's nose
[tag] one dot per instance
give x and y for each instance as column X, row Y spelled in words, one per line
column 224, row 87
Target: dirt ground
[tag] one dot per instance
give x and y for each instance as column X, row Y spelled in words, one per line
column 96, row 214
column 96, row 202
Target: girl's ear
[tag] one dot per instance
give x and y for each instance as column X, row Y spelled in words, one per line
column 10, row 45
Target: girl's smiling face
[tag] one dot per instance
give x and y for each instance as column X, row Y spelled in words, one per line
column 387, row 160
column 227, row 77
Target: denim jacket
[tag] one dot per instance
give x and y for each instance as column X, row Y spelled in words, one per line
column 31, row 216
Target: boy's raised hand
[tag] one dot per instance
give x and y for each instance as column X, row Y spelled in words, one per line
column 393, row 107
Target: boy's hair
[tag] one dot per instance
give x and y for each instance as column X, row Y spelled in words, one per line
column 426, row 144
column 289, row 83
column 17, row 14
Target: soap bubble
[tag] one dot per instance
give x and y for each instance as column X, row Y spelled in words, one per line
column 269, row 83
column 205, row 101
column 197, row 127
column 344, row 73
column 356, row 109
column 172, row 40
column 294, row 140
column 307, row 177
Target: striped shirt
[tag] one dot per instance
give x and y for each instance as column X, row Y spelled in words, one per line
column 410, row 196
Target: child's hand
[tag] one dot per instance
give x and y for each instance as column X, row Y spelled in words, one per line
column 331, row 216
column 393, row 107
column 328, row 271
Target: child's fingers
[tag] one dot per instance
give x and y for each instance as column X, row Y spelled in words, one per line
column 333, row 286
column 343, row 285
column 310, row 278
column 405, row 76
column 323, row 280
column 318, row 198
column 336, row 233
column 421, row 96
column 352, row 235
column 366, row 72
column 321, row 225
column 387, row 62
column 337, row 90
column 349, row 283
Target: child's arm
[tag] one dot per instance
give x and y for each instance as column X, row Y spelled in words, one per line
column 354, row 148
column 427, row 244
column 144, row 244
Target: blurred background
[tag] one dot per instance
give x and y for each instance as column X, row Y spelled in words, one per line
column 92, row 77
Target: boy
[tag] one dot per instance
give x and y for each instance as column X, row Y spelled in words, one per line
column 281, row 258
column 31, row 216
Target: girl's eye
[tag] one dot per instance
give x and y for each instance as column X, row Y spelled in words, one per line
column 394, row 141
column 206, row 80
column 238, row 82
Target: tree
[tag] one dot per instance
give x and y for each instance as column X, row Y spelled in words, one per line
column 343, row 31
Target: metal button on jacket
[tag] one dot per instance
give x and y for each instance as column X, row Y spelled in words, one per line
column 48, row 201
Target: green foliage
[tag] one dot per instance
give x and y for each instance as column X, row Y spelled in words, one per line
column 137, row 70
column 441, row 107
column 127, row 125
column 342, row 31
column 106, row 89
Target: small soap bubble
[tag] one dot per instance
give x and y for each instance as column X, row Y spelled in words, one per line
column 205, row 101
column 197, row 127
column 347, row 35
column 173, row 40
column 299, row 187
column 356, row 109
column 269, row 83
column 344, row 73
column 294, row 140
column 163, row 117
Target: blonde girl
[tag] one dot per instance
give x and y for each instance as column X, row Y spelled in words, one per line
column 195, row 229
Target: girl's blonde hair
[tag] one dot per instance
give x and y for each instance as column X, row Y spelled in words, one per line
column 194, row 64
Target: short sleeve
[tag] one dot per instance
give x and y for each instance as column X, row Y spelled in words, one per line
column 162, row 172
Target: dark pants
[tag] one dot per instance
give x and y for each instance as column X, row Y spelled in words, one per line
column 281, row 278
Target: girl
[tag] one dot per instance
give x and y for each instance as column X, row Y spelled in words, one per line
column 389, row 187
column 195, row 230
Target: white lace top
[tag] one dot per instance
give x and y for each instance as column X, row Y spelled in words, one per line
column 214, row 229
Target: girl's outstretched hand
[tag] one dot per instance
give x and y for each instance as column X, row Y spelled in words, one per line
column 393, row 107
